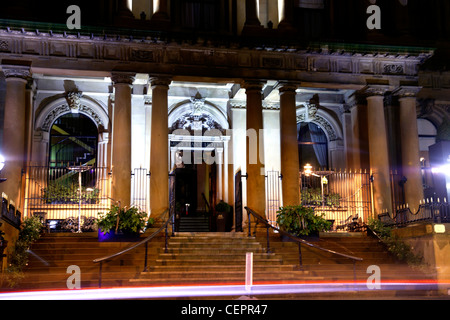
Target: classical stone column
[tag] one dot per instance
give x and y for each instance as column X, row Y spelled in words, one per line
column 378, row 149
column 410, row 153
column 252, row 22
column 14, row 137
column 289, row 145
column 359, row 145
column 161, row 16
column 159, row 150
column 124, row 10
column 121, row 139
column 286, row 15
column 255, row 148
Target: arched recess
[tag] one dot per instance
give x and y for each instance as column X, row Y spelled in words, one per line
column 53, row 108
column 185, row 113
column 199, row 152
column 332, row 129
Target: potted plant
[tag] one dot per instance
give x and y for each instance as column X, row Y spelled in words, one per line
column 121, row 224
column 302, row 222
column 222, row 210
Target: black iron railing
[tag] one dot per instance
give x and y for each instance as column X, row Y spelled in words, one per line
column 299, row 241
column 338, row 196
column 431, row 212
column 145, row 242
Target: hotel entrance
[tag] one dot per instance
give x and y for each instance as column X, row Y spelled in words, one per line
column 199, row 167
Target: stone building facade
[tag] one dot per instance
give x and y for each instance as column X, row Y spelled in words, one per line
column 225, row 86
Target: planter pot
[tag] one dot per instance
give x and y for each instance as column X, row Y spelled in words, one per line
column 220, row 221
column 120, row 236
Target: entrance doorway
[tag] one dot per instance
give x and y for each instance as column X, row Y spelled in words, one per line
column 201, row 177
column 194, row 189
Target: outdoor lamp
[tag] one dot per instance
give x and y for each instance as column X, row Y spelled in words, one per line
column 308, row 169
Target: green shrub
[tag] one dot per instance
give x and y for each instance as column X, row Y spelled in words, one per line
column 301, row 221
column 128, row 220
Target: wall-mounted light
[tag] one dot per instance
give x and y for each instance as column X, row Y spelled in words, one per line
column 2, row 165
column 308, row 169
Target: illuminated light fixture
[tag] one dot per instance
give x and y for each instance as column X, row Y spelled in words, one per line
column 445, row 169
column 439, row 228
column 308, row 169
column 2, row 162
column 2, row 165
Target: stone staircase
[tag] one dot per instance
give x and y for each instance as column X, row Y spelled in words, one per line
column 210, row 258
column 52, row 254
column 194, row 224
column 217, row 258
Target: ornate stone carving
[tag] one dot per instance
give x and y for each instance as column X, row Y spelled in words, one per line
column 407, row 92
column 393, row 69
column 53, row 115
column 192, row 122
column 122, row 78
column 17, row 72
column 198, row 104
column 74, row 100
column 323, row 123
column 63, row 109
column 4, row 45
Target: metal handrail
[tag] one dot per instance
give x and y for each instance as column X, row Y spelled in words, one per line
column 145, row 241
column 298, row 240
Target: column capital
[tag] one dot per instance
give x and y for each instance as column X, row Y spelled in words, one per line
column 406, row 92
column 123, row 78
column 253, row 85
column 17, row 72
column 160, row 81
column 374, row 91
column 287, row 86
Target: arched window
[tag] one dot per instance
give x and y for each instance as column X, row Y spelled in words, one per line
column 312, row 145
column 73, row 141
column 427, row 134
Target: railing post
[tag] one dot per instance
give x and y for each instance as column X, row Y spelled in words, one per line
column 249, row 224
column 300, row 260
column 100, row 275
column 146, row 255
column 268, row 243
column 166, row 250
